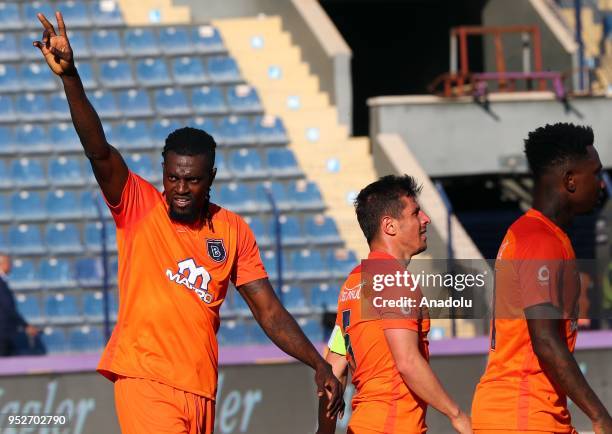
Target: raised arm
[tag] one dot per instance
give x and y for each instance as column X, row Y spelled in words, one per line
column 281, row 327
column 108, row 166
column 420, row 379
column 559, row 364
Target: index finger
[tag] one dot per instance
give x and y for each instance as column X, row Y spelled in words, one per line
column 60, row 23
column 46, row 24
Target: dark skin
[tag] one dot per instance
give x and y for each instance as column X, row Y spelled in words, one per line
column 187, row 181
column 561, row 193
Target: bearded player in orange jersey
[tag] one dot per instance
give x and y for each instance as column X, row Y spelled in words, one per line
column 531, row 370
column 177, row 254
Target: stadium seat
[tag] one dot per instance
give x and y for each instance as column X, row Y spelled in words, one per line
column 325, row 297
column 78, row 43
column 237, row 198
column 231, row 333
column 87, row 75
column 294, row 299
column 322, row 230
column 116, row 73
column 270, row 130
column 236, row 131
column 152, row 72
column 7, row 141
column 23, row 276
column 10, row 16
column 208, row 100
column 142, row 165
column 62, row 204
column 106, row 13
column 6, row 215
column 93, row 306
column 223, row 69
column 171, row 102
column 28, row 205
column 269, row 260
column 263, row 235
column 208, row 125
column 342, row 262
column 247, row 164
column 9, row 48
column 28, row 51
column 66, row 172
column 105, row 104
column 281, row 163
column 64, row 138
column 93, row 237
column 57, row 274
column 141, row 42
column 63, row 238
column 308, row 264
column 25, row 240
column 135, row 103
column 107, row 43
column 28, row 306
column 291, row 231
column 37, row 77
column 54, row 340
column 7, row 109
column 306, row 195
column 31, row 139
column 6, row 180
column 9, row 80
column 92, row 204
column 175, row 40
column 30, row 9
column 32, row 107
column 62, row 308
column 256, row 335
column 313, row 329
column 189, row 70
column 279, row 194
column 207, row 39
column 243, row 99
column 28, row 173
column 160, row 130
column 132, row 135
column 58, row 106
column 89, row 272
column 86, row 338
column 223, row 172
column 76, row 13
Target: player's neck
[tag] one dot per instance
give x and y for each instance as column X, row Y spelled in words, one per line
column 552, row 206
column 390, row 249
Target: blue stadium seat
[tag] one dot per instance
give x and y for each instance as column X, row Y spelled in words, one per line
column 206, row 124
column 7, row 141
column 261, row 230
column 116, row 73
column 62, row 308
column 30, row 9
column 236, row 131
column 243, row 99
column 294, row 299
column 342, row 262
column 9, row 49
column 291, row 231
column 63, row 238
column 160, row 130
column 89, row 272
column 37, row 77
column 6, row 214
column 135, row 103
column 132, row 135
column 270, row 130
column 6, row 180
column 86, row 338
column 105, row 104
column 268, row 257
column 238, row 198
column 28, row 51
column 281, row 163
column 7, row 109
column 207, row 39
column 64, row 138
column 62, row 204
column 256, row 335
column 28, row 173
column 9, row 79
column 325, row 296
column 107, row 43
column 58, row 106
column 66, row 172
column 313, row 329
column 171, row 102
column 93, row 237
column 308, row 264
column 27, row 205
column 142, row 165
column 10, row 16
column 189, row 70
column 89, row 208
column 223, row 69
column 152, row 72
column 231, row 333
column 32, row 106
column 24, row 276
column 223, row 172
column 279, row 193
column 141, row 42
column 322, row 230
column 106, row 13
column 54, row 340
column 247, row 164
column 87, row 74
column 57, row 273
column 175, row 40
column 31, row 138
column 76, row 13
column 28, row 306
column 93, row 305
column 208, row 100
column 306, row 195
column 78, row 43
column 25, row 240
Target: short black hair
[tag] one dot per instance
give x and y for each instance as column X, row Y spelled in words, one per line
column 191, row 141
column 382, row 198
column 556, row 144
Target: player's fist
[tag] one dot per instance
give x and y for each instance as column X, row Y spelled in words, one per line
column 55, row 47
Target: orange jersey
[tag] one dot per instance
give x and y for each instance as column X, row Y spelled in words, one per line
column 535, row 265
column 382, row 403
column 172, row 282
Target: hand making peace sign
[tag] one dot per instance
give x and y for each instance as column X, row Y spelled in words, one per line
column 56, row 48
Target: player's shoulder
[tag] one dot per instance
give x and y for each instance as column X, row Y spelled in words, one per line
column 218, row 213
column 530, row 235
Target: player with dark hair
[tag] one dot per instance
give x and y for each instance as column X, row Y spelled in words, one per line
column 531, row 370
column 177, row 254
column 388, row 356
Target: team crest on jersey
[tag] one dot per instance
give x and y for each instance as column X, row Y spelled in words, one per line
column 216, row 249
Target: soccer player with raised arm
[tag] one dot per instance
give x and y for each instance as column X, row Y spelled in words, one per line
column 531, row 370
column 177, row 254
column 388, row 357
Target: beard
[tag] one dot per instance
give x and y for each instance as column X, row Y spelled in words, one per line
column 188, row 215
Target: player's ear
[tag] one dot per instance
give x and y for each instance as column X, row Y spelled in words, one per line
column 388, row 225
column 569, row 181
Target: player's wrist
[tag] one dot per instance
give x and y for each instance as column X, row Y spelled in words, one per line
column 453, row 412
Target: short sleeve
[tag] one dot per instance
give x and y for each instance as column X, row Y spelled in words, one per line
column 249, row 266
column 137, row 198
